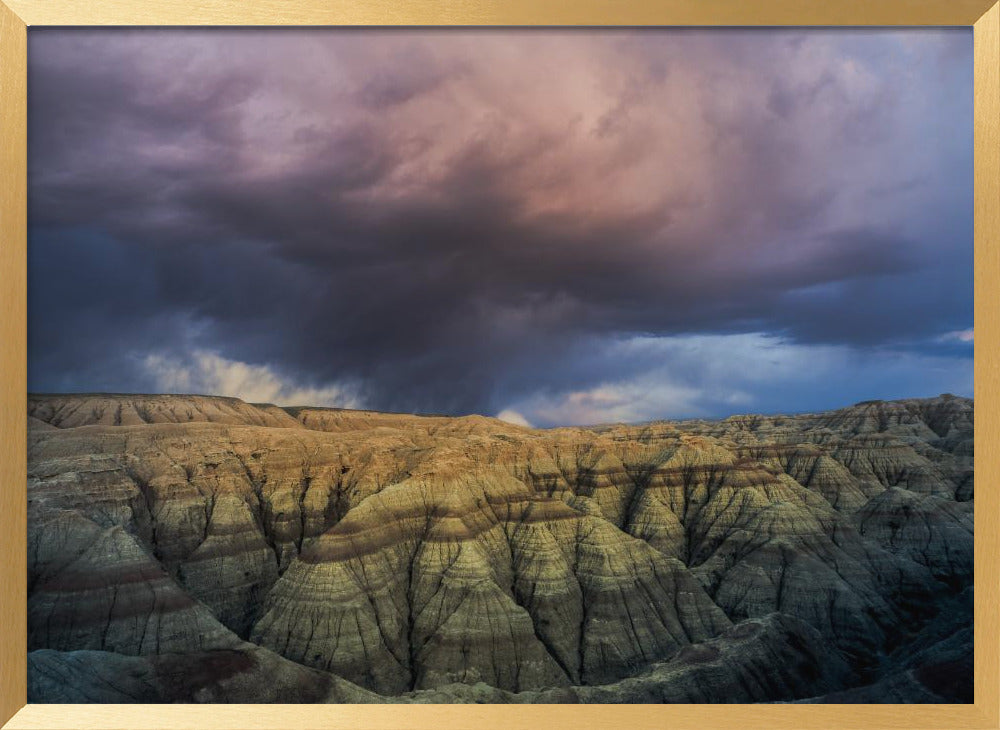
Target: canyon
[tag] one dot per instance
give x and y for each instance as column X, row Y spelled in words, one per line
column 186, row 548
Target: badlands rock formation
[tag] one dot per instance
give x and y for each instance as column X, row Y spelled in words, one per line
column 194, row 548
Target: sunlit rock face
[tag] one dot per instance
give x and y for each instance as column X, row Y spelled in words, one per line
column 194, row 548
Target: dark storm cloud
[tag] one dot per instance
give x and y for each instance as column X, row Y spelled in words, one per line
column 453, row 221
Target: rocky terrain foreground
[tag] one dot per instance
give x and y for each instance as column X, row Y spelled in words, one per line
column 203, row 549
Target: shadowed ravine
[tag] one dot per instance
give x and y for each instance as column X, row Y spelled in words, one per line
column 203, row 549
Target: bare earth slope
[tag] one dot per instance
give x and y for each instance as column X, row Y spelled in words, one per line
column 195, row 548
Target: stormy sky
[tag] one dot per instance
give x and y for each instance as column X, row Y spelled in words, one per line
column 559, row 227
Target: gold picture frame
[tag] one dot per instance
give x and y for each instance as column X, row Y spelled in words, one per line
column 17, row 15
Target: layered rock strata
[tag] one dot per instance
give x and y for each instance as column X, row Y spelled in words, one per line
column 363, row 555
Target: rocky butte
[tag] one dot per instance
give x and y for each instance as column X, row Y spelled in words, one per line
column 203, row 549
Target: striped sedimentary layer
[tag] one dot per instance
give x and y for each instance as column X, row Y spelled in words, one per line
column 402, row 555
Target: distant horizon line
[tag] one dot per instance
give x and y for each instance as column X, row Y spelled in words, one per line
column 287, row 408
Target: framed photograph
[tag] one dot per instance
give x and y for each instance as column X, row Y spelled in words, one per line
column 413, row 365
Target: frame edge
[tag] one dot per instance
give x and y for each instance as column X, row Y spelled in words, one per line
column 13, row 272
column 986, row 50
column 13, row 362
column 502, row 12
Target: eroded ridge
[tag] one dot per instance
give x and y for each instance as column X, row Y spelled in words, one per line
column 194, row 548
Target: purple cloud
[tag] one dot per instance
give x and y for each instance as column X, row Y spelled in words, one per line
column 445, row 218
